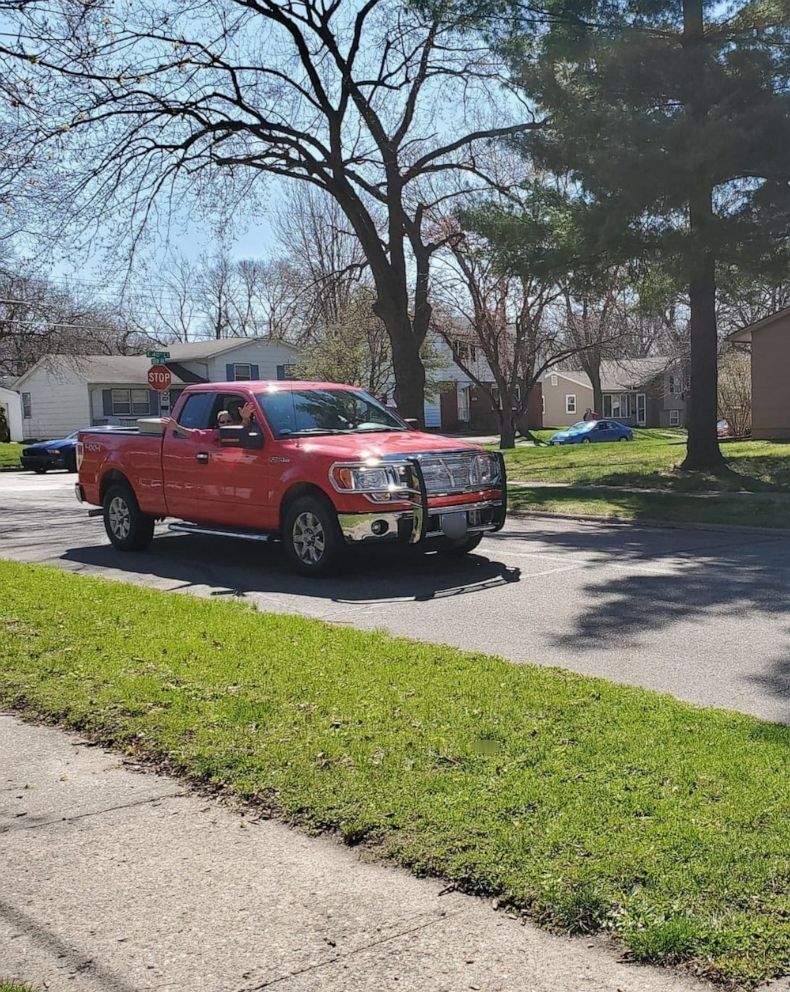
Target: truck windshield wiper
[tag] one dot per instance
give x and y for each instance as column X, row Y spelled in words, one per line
column 307, row 431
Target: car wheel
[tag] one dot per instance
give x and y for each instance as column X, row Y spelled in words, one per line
column 71, row 463
column 128, row 528
column 311, row 535
column 586, row 440
column 459, row 545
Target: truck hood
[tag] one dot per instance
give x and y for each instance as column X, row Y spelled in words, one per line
column 360, row 447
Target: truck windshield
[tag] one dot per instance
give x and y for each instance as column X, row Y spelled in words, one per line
column 305, row 412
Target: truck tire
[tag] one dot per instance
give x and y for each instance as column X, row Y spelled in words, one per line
column 128, row 528
column 311, row 536
column 459, row 546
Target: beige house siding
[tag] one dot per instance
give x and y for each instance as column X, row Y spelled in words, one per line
column 557, row 387
column 771, row 381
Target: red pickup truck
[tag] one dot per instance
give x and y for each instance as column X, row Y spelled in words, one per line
column 318, row 466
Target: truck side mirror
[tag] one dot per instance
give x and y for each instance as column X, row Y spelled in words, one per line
column 237, row 436
column 412, row 423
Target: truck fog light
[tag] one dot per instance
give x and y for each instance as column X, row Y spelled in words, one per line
column 379, row 527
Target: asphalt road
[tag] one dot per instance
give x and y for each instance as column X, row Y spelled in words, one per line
column 703, row 615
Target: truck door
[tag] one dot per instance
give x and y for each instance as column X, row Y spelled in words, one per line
column 240, row 477
column 185, row 458
column 205, row 482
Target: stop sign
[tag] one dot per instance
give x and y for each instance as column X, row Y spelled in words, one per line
column 159, row 377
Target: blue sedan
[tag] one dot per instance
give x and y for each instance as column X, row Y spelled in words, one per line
column 51, row 454
column 587, row 431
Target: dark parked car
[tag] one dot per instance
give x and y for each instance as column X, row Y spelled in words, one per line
column 51, row 454
column 587, row 431
column 45, row 455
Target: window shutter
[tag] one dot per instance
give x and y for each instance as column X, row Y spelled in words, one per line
column 230, row 372
column 254, row 372
column 106, row 402
column 281, row 372
column 153, row 402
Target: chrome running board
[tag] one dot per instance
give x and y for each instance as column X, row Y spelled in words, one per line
column 244, row 535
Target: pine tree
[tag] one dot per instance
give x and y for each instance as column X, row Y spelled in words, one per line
column 672, row 120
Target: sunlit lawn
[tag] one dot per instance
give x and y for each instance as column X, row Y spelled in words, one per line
column 588, row 806
column 652, row 462
column 9, row 458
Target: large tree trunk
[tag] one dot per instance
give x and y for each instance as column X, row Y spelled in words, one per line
column 409, row 376
column 703, row 447
column 507, row 429
column 595, row 378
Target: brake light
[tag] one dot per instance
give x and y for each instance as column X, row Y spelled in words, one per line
column 80, row 452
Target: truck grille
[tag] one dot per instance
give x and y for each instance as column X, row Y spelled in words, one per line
column 448, row 473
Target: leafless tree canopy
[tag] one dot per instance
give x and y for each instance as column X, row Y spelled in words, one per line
column 38, row 318
column 370, row 101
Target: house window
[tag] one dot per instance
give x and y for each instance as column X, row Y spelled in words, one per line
column 288, row 372
column 675, row 385
column 464, row 351
column 554, row 380
column 130, row 402
column 570, row 402
column 242, row 372
column 674, row 418
column 27, row 406
column 607, row 405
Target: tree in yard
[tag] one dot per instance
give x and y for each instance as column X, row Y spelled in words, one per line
column 510, row 312
column 673, row 120
column 380, row 104
column 735, row 391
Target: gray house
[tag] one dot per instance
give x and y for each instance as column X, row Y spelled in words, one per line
column 640, row 392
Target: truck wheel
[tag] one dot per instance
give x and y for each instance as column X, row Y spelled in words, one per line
column 311, row 535
column 461, row 545
column 128, row 528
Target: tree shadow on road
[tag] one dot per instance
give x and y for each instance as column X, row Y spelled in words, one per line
column 673, row 576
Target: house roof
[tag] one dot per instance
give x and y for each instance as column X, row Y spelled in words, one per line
column 621, row 375
column 127, row 369
column 745, row 333
column 196, row 350
column 133, row 369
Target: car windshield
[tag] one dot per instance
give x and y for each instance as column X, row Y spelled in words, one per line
column 582, row 425
column 311, row 412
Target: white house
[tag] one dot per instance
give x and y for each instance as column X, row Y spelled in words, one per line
column 61, row 392
column 11, row 404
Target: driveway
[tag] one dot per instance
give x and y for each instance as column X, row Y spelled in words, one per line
column 703, row 615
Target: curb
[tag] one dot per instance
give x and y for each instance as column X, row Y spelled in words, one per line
column 657, row 524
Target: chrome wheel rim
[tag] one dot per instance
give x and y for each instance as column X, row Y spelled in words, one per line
column 120, row 518
column 309, row 539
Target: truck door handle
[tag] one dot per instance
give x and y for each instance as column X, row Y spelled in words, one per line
column 202, row 457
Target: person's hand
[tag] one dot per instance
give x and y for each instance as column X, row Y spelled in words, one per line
column 247, row 412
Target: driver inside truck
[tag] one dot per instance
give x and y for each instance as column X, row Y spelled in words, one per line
column 237, row 413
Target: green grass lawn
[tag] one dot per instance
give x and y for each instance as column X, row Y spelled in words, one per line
column 747, row 510
column 9, row 459
column 15, row 987
column 653, row 462
column 586, row 805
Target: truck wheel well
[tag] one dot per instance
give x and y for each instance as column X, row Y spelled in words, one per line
column 109, row 479
column 296, row 492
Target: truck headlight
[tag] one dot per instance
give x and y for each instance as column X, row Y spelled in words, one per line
column 484, row 470
column 362, row 478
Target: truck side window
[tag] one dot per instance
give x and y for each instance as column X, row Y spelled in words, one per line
column 196, row 410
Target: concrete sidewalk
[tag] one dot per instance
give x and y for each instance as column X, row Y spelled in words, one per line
column 115, row 880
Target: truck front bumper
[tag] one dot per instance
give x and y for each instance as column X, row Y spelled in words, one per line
column 423, row 521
